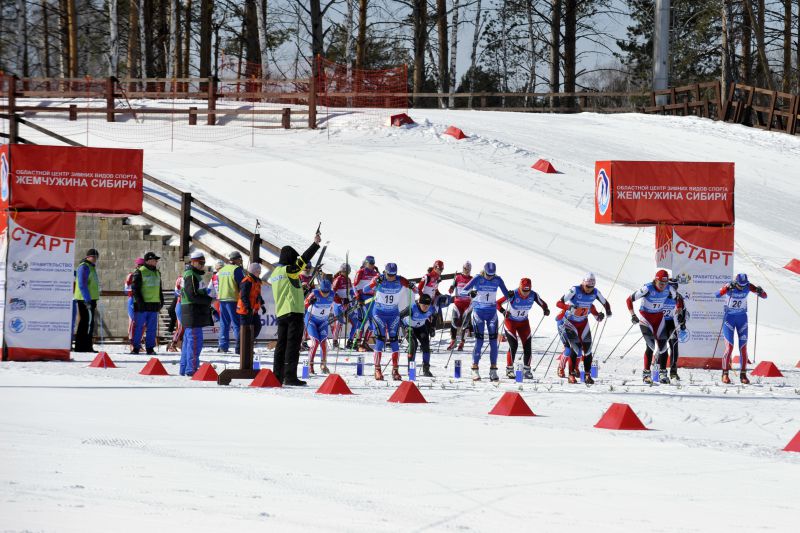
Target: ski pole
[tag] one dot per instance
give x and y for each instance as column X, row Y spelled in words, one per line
column 441, row 332
column 345, row 308
column 545, row 352
column 755, row 337
column 555, row 349
column 618, row 343
column 501, row 332
column 458, row 334
column 532, row 336
column 631, row 348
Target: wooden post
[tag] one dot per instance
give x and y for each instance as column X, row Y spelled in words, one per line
column 186, row 231
column 255, row 248
column 286, row 118
column 771, row 115
column 193, row 116
column 483, row 101
column 110, row 99
column 212, row 100
column 73, row 112
column 12, row 109
column 791, row 125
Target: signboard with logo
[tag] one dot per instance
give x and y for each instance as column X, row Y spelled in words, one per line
column 5, row 171
column 39, row 285
column 663, row 192
column 69, row 178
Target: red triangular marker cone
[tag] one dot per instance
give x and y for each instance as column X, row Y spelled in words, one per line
column 407, row 392
column 794, row 444
column 766, row 369
column 102, row 360
column 511, row 404
column 545, row 166
column 154, row 368
column 334, row 384
column 205, row 373
column 620, row 416
column 798, row 364
column 455, row 132
column 266, row 378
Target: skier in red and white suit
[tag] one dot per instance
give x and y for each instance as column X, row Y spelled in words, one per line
column 517, row 325
column 651, row 320
column 343, row 295
column 462, row 306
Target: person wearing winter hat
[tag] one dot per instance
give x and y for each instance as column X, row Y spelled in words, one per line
column 195, row 313
column 288, row 295
column 148, row 299
column 87, row 292
column 229, row 278
column 139, row 261
column 249, row 304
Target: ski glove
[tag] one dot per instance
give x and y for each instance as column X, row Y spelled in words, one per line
column 600, row 316
column 264, row 309
column 634, row 319
column 546, row 311
column 759, row 291
column 510, row 294
column 683, row 327
column 473, row 293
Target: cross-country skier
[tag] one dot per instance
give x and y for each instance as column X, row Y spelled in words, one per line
column 417, row 318
column 463, row 305
column 578, row 304
column 565, row 358
column 483, row 291
column 387, row 289
column 363, row 291
column 671, row 314
column 319, row 313
column 651, row 321
column 343, row 296
column 735, row 319
column 517, row 325
column 306, row 279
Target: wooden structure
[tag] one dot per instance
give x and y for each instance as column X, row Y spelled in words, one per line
column 698, row 99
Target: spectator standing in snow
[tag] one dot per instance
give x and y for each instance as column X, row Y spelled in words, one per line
column 289, row 308
column 87, row 292
column 228, row 279
column 195, row 313
column 148, row 299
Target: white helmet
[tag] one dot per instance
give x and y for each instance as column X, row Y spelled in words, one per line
column 589, row 278
column 467, row 266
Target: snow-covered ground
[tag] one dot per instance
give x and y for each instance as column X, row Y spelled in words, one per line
column 85, row 449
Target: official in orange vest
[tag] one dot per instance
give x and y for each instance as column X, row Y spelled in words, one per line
column 250, row 303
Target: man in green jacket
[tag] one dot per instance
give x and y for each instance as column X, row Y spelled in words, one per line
column 148, row 299
column 289, row 308
column 87, row 292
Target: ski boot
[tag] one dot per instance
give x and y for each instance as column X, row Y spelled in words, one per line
column 743, row 378
column 324, row 369
column 378, row 374
column 475, row 375
column 571, row 378
column 561, row 373
column 303, row 347
column 461, row 346
column 493, row 374
column 673, row 374
column 426, row 370
column 396, row 374
column 587, row 378
column 663, row 378
column 452, row 344
column 526, row 372
column 336, row 343
column 311, row 369
column 646, row 377
column 725, row 378
column 510, row 372
column 364, row 347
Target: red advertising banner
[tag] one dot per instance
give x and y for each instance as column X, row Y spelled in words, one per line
column 39, row 285
column 666, row 192
column 79, row 179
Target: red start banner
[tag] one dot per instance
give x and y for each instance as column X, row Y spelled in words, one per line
column 663, row 192
column 77, row 179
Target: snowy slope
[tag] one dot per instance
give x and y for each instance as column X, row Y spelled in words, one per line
column 85, row 448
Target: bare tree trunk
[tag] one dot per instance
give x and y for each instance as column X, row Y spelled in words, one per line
column 178, row 53
column 361, row 42
column 797, row 53
column 555, row 50
column 420, row 14
column 441, row 26
column 570, row 31
column 348, row 37
column 187, row 39
column 46, row 29
column 725, row 59
column 504, row 39
column 261, row 15
column 21, row 66
column 132, row 58
column 453, row 53
column 170, row 52
column 63, row 40
column 206, row 12
column 72, row 29
column 786, row 86
column 476, row 37
column 113, row 38
column 747, row 46
column 530, row 87
column 142, row 42
column 317, row 44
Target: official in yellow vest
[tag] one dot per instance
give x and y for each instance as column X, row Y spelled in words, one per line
column 87, row 292
column 148, row 299
column 289, row 305
column 228, row 279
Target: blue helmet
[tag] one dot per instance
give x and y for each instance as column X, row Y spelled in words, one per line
column 490, row 269
column 325, row 285
column 741, row 279
column 391, row 269
column 370, row 259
